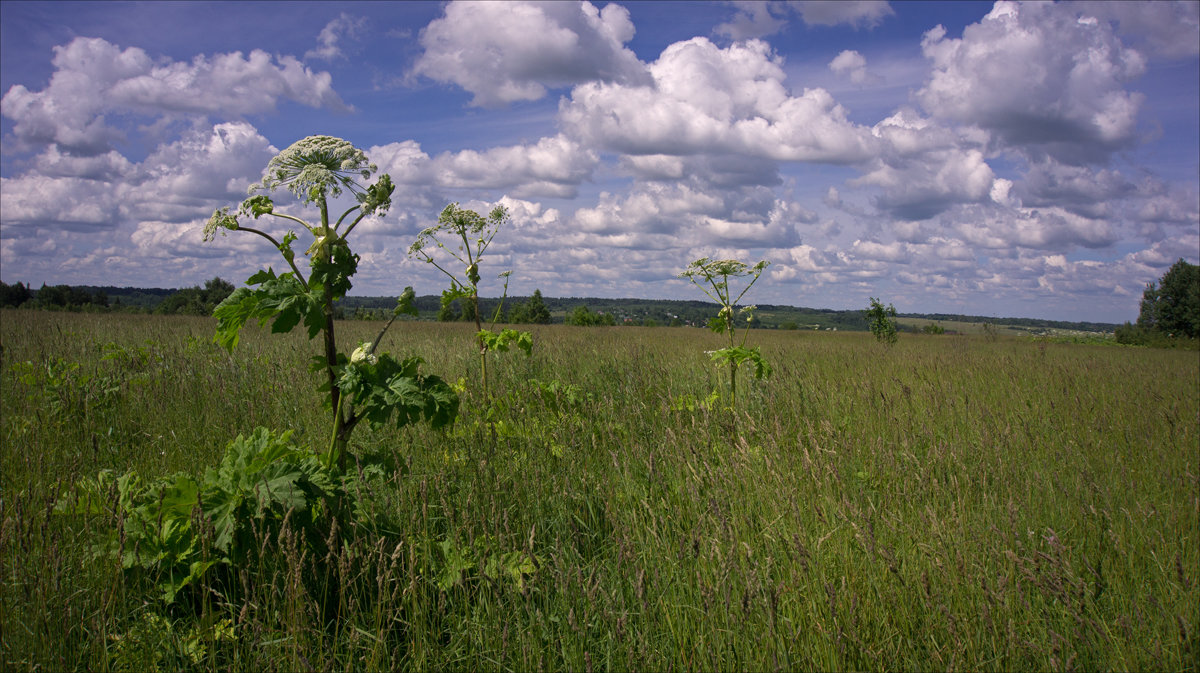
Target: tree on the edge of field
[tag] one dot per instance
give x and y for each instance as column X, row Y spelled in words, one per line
column 1173, row 305
column 197, row 300
column 582, row 316
column 535, row 309
column 882, row 321
column 14, row 295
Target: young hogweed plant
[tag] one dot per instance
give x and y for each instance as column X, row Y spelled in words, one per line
column 316, row 170
column 465, row 235
column 712, row 276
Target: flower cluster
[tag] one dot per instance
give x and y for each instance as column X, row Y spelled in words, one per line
column 711, row 268
column 221, row 219
column 315, row 167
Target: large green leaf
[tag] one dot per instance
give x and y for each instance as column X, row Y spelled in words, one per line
column 386, row 389
column 739, row 355
column 262, row 475
column 506, row 338
column 281, row 299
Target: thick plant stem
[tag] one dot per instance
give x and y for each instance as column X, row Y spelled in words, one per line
column 483, row 350
column 474, row 299
column 733, row 365
column 335, row 393
column 732, row 384
column 483, row 368
column 334, row 438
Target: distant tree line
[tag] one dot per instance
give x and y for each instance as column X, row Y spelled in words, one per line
column 53, row 297
column 189, row 301
column 1169, row 314
column 535, row 309
column 531, row 311
column 14, row 295
column 538, row 309
column 1084, row 326
column 196, row 300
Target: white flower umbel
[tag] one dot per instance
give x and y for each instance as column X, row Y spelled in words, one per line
column 317, row 166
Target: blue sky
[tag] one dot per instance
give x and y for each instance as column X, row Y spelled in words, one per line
column 1035, row 160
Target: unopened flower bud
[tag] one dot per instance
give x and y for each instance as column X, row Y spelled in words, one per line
column 363, row 353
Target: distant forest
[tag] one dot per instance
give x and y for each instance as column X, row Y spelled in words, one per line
column 200, row 300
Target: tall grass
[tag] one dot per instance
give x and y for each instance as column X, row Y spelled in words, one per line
column 949, row 503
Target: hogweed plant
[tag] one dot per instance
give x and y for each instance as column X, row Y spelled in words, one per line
column 184, row 532
column 316, row 170
column 464, row 235
column 713, row 276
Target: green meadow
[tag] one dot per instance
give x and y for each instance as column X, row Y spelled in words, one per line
column 960, row 502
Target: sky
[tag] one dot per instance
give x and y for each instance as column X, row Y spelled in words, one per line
column 1028, row 160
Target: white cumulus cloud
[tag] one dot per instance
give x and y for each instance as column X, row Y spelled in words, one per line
column 924, row 168
column 182, row 180
column 1167, row 28
column 705, row 99
column 94, row 78
column 853, row 66
column 504, row 52
column 1037, row 78
column 1049, row 229
column 553, row 166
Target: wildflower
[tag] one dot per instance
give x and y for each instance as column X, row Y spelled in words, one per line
column 221, row 219
column 316, row 167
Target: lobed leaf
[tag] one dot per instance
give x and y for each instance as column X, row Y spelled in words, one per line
column 508, row 337
column 739, row 355
column 281, row 299
column 388, row 389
